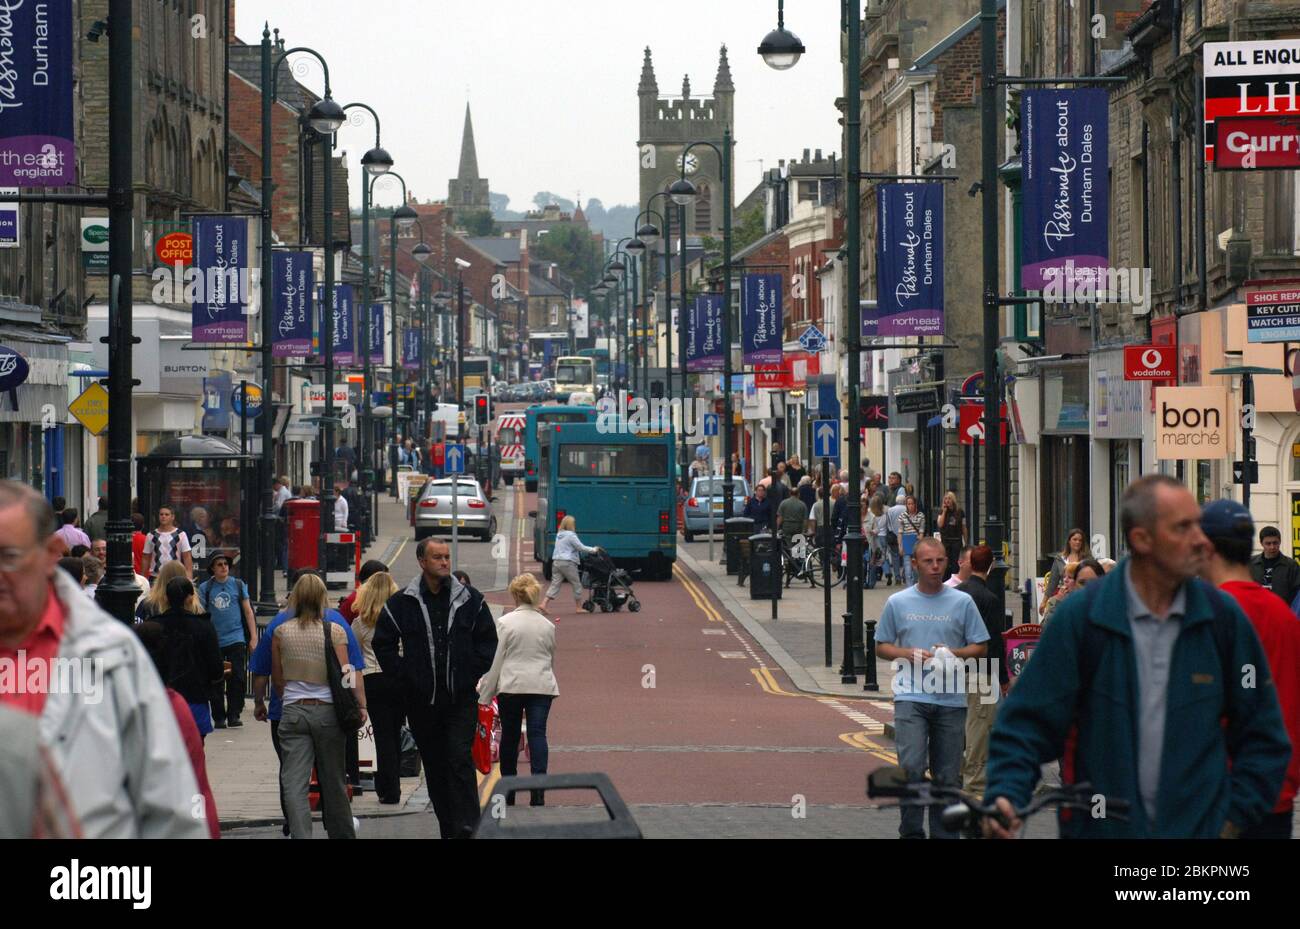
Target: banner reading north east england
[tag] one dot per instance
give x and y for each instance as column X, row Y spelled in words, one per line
column 293, row 287
column 377, row 333
column 909, row 256
column 704, row 338
column 761, row 333
column 1065, row 234
column 344, row 334
column 36, row 143
column 221, row 257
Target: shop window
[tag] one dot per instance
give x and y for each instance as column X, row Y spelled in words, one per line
column 1204, row 482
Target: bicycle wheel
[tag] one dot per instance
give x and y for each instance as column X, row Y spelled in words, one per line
column 814, row 571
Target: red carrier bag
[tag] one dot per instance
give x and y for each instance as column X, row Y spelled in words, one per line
column 482, row 749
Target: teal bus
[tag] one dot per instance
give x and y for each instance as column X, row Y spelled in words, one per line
column 544, row 414
column 618, row 486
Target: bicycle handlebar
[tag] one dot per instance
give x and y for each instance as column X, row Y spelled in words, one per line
column 963, row 812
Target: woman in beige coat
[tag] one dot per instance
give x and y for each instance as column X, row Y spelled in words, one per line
column 522, row 678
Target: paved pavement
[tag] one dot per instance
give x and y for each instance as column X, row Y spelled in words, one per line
column 242, row 766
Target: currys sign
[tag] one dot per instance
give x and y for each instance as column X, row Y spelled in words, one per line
column 36, row 141
column 1065, row 137
column 293, row 286
column 13, row 372
column 909, row 256
column 760, row 328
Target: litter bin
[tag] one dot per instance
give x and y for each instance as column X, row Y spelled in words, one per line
column 764, row 567
column 733, row 530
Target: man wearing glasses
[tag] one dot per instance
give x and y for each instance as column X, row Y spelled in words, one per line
column 104, row 716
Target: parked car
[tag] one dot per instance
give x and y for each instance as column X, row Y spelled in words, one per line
column 473, row 510
column 706, row 494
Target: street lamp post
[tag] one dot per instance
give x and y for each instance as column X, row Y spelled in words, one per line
column 117, row 593
column 325, row 118
column 375, row 162
column 403, row 217
column 461, row 332
column 781, row 49
column 684, row 192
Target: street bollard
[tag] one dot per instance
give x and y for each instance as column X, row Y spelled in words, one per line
column 847, row 674
column 869, row 681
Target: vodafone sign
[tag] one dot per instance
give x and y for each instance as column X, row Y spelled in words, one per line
column 1150, row 363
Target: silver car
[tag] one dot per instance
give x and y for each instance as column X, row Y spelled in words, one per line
column 433, row 511
column 706, row 494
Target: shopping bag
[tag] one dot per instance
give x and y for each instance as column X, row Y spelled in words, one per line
column 482, row 750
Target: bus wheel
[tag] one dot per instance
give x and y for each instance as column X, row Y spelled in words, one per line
column 509, row 479
column 546, row 569
column 658, row 568
column 530, row 486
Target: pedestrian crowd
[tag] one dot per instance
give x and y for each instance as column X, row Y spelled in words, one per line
column 1169, row 681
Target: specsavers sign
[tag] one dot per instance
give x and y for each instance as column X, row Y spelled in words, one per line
column 1192, row 422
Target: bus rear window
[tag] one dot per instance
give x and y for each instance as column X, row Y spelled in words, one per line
column 613, row 461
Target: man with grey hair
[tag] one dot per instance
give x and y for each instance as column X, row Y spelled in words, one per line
column 104, row 715
column 1165, row 683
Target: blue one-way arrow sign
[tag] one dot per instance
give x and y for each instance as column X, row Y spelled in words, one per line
column 710, row 424
column 455, row 459
column 826, row 438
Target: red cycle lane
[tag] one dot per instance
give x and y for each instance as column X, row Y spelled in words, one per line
column 677, row 705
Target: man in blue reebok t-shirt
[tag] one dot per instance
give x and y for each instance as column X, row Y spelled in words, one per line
column 929, row 689
column 225, row 598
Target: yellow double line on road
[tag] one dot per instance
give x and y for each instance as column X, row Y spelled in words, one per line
column 860, row 740
column 698, row 596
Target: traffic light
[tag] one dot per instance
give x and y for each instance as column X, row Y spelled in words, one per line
column 481, row 410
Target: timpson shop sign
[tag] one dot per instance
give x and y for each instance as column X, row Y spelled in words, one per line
column 1252, row 104
column 1192, row 423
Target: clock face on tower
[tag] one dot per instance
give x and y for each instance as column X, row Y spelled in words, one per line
column 692, row 163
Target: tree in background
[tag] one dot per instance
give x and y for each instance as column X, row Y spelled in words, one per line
column 576, row 253
column 477, row 223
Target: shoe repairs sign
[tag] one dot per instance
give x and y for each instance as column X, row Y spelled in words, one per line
column 1273, row 311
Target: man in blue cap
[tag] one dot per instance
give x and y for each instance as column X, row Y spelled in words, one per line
column 1230, row 529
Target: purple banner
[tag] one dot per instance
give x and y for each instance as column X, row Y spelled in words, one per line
column 344, row 332
column 704, row 338
column 1065, row 229
column 909, row 259
column 221, row 257
column 411, row 350
column 377, row 333
column 294, row 286
column 36, row 141
column 760, row 326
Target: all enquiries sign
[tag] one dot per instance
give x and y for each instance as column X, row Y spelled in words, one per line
column 1251, row 101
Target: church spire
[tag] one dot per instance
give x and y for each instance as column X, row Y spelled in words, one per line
column 723, row 82
column 648, row 83
column 468, row 154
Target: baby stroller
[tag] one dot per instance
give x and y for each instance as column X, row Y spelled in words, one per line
column 609, row 584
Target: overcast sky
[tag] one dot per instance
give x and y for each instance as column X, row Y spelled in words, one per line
column 552, row 83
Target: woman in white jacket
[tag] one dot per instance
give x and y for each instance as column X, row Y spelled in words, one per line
column 522, row 678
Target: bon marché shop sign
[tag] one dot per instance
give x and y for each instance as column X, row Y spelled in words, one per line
column 1193, row 423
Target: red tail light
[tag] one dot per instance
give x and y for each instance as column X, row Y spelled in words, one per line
column 428, row 504
column 476, row 504
column 663, row 521
column 559, row 518
column 692, row 503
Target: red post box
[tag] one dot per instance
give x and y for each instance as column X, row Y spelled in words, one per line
column 302, row 523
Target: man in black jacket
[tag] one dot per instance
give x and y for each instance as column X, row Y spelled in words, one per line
column 447, row 640
column 1274, row 570
column 982, row 696
column 759, row 509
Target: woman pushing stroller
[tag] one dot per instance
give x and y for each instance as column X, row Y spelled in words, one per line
column 565, row 561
